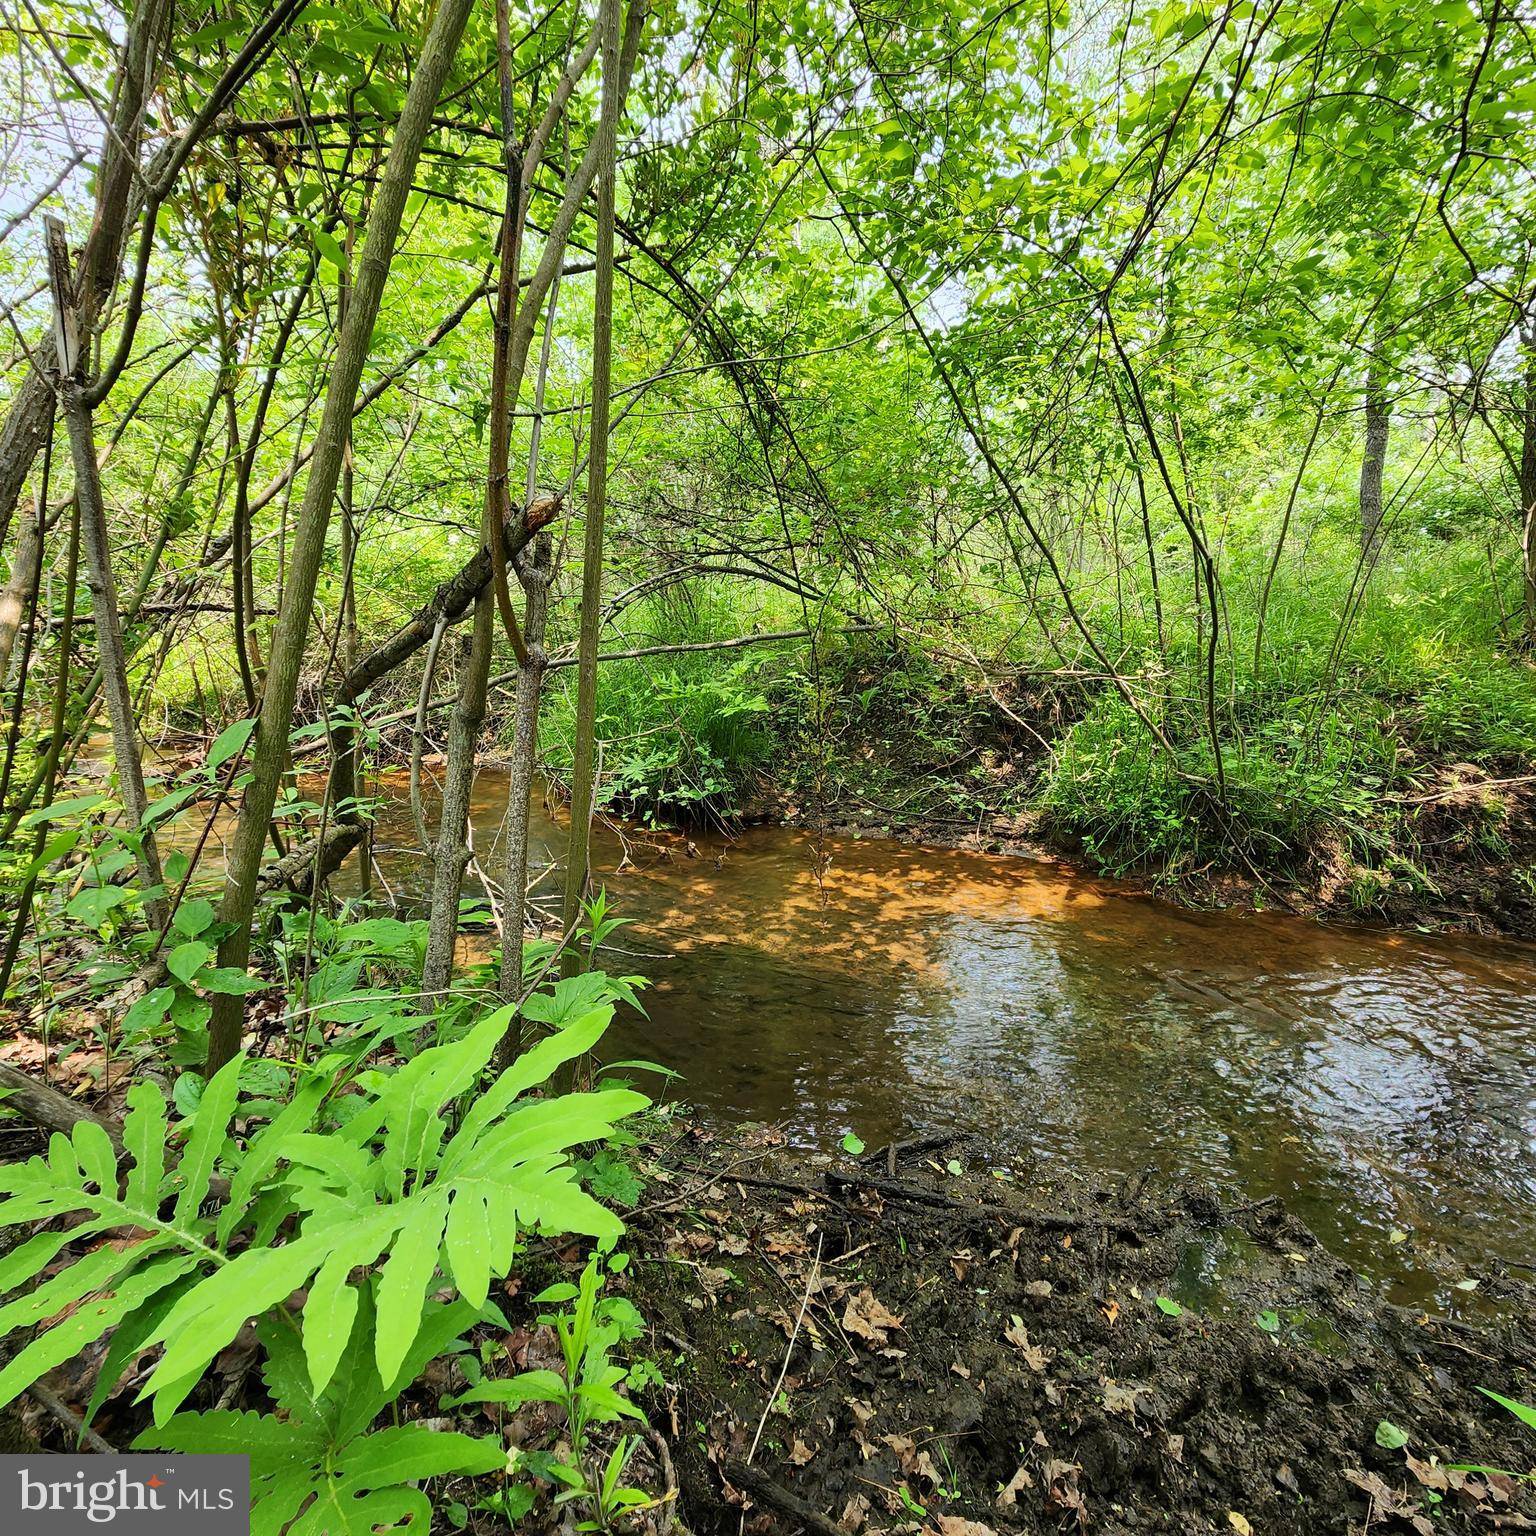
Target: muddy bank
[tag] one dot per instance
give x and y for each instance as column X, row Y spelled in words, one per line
column 1463, row 862
column 912, row 1344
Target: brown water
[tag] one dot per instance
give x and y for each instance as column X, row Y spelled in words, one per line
column 1379, row 1083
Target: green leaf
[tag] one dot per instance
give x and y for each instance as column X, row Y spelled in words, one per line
column 331, row 1309
column 227, row 979
column 852, row 1145
column 467, row 1239
column 330, row 248
column 193, row 917
column 227, row 743
column 1389, row 1437
column 129, row 1337
column 148, row 1011
column 207, row 1139
column 270, row 1443
column 144, row 1144
column 158, row 810
column 86, row 1324
column 404, row 1281
column 1169, row 1307
column 526, row 1387
column 62, row 810
column 211, row 1314
column 1522, row 1411
column 186, row 960
column 96, row 903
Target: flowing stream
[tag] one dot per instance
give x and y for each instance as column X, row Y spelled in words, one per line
column 1381, row 1084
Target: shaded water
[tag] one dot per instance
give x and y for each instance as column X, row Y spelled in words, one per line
column 1378, row 1083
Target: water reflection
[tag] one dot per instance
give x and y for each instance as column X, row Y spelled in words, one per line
column 1377, row 1082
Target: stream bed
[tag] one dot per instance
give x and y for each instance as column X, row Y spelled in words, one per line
column 1384, row 1085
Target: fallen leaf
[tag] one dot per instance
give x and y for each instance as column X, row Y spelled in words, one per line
column 958, row 1525
column 868, row 1317
column 855, row 1514
column 800, row 1453
column 1008, row 1494
column 1017, row 1334
column 1239, row 1523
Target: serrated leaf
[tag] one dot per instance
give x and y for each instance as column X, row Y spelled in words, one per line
column 86, row 1324
column 211, row 1314
column 331, row 1308
column 129, row 1337
column 271, row 1443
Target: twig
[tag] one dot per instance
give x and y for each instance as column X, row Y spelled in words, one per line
column 805, row 1301
column 72, row 1421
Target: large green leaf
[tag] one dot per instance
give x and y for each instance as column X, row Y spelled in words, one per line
column 408, row 1273
column 209, row 1128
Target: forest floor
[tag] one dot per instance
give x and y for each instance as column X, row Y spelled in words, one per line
column 897, row 1344
column 901, row 1344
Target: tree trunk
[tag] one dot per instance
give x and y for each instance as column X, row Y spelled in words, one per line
column 28, row 421
column 1372, row 467
column 269, row 747
column 20, row 589
column 536, row 572
column 1528, row 490
column 584, row 748
column 105, row 613
column 451, row 850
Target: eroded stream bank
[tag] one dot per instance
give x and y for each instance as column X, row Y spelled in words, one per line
column 1384, row 1086
column 888, row 1345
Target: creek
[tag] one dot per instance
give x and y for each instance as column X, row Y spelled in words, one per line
column 1383, row 1085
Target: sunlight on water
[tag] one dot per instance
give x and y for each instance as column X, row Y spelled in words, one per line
column 1377, row 1082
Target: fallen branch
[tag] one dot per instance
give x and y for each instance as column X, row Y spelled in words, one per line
column 83, row 1433
column 734, row 643
column 914, row 1148
column 298, row 867
column 763, row 1490
column 45, row 1106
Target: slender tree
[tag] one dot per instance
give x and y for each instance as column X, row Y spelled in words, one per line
column 269, row 748
column 584, row 746
column 1373, row 463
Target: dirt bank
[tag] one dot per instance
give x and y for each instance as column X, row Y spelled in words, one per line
column 1461, row 860
column 937, row 1350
